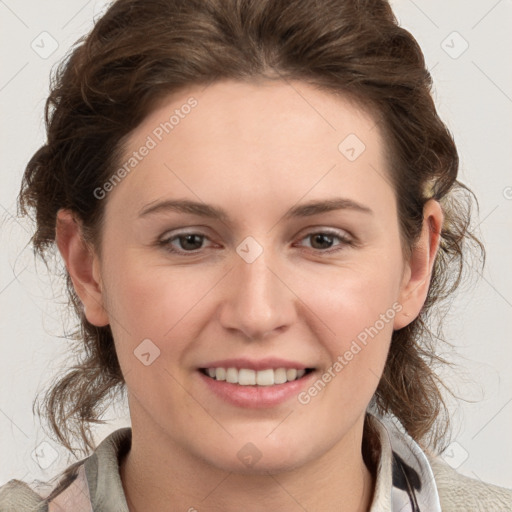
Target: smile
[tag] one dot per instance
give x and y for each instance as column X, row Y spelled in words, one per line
column 249, row 377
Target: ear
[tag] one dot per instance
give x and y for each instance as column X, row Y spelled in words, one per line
column 416, row 278
column 83, row 267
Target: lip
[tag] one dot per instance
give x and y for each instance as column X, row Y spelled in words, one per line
column 256, row 397
column 251, row 364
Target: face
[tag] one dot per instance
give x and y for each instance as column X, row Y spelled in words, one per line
column 270, row 284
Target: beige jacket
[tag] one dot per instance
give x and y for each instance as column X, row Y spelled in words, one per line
column 407, row 480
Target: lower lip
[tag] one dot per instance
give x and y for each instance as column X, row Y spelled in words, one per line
column 256, row 397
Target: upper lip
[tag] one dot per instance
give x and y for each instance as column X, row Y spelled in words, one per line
column 253, row 364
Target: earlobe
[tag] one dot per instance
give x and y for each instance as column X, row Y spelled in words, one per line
column 416, row 282
column 82, row 265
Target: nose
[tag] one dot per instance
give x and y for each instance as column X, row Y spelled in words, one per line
column 259, row 303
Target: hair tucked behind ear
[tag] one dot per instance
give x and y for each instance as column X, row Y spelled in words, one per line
column 143, row 50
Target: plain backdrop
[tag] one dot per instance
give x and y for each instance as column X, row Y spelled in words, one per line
column 467, row 45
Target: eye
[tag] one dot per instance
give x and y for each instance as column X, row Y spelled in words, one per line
column 191, row 243
column 324, row 240
column 186, row 242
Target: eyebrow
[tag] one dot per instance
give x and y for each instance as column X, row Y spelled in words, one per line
column 206, row 210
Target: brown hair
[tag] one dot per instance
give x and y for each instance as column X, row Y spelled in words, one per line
column 141, row 51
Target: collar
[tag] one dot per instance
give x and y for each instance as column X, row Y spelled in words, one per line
column 404, row 478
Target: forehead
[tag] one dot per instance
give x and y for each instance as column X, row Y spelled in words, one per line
column 241, row 140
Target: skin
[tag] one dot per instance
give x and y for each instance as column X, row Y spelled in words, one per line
column 255, row 150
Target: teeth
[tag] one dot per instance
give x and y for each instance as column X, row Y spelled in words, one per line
column 231, row 375
column 291, row 374
column 280, row 376
column 263, row 377
column 247, row 377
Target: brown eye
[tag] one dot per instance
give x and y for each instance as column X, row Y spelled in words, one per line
column 322, row 241
column 190, row 242
column 185, row 242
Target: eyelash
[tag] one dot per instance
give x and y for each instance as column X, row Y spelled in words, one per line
column 346, row 241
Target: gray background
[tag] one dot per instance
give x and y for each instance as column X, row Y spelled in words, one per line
column 473, row 92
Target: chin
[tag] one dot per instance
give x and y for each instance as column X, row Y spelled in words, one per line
column 262, row 467
column 250, row 459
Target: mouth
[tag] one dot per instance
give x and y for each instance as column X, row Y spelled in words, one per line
column 256, row 378
column 255, row 384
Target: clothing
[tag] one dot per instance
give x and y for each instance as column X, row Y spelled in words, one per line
column 407, row 480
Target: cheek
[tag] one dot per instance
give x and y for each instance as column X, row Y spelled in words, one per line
column 347, row 300
column 156, row 303
column 355, row 311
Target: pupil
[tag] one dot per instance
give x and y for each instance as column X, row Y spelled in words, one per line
column 187, row 239
column 323, row 236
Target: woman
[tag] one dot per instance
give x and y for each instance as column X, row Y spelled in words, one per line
column 298, row 145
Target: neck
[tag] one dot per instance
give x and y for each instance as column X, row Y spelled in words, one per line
column 161, row 476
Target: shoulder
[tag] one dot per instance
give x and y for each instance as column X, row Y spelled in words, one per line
column 461, row 493
column 17, row 496
column 89, row 482
column 40, row 496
